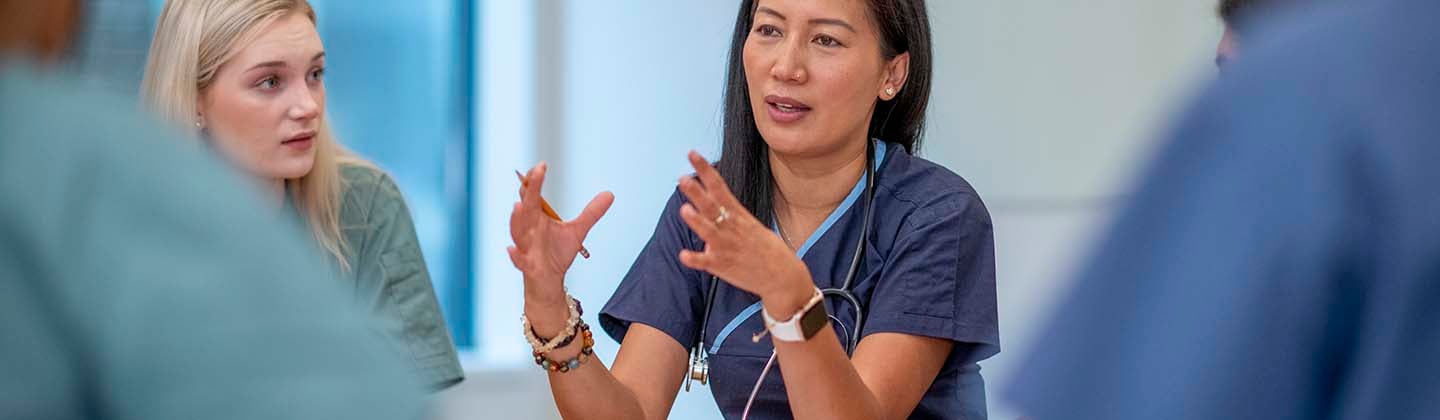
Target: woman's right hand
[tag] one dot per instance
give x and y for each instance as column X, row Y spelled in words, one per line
column 545, row 248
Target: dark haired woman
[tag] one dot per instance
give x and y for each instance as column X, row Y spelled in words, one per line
column 819, row 270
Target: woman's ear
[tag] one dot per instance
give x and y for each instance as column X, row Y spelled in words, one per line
column 200, row 112
column 896, row 72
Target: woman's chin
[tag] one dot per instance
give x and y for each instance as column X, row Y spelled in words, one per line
column 797, row 143
column 785, row 140
column 290, row 170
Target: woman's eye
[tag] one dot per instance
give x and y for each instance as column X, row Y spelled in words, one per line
column 317, row 74
column 767, row 30
column 268, row 83
column 827, row 41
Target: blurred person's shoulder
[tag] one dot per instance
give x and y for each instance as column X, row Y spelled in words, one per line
column 63, row 147
column 47, row 115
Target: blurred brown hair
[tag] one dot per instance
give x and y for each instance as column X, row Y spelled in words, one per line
column 38, row 28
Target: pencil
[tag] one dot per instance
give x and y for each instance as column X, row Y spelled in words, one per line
column 550, row 211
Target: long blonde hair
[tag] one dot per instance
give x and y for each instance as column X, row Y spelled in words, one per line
column 192, row 40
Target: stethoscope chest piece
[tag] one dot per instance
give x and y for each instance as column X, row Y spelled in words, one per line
column 699, row 371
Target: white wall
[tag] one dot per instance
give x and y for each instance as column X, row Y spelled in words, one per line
column 1044, row 105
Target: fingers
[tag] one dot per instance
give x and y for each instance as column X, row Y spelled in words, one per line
column 527, row 214
column 715, row 186
column 527, row 226
column 524, row 252
column 516, row 258
column 696, row 260
column 701, row 224
column 525, row 223
column 525, row 262
column 592, row 213
column 703, row 170
column 518, row 224
column 534, row 180
column 698, row 197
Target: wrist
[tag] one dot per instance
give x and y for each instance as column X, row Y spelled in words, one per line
column 545, row 290
column 547, row 317
column 800, row 326
column 542, row 344
column 789, row 298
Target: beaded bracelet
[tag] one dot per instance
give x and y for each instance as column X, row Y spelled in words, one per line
column 566, row 335
column 586, row 352
column 570, row 336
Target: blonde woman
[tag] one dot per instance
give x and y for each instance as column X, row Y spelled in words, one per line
column 247, row 75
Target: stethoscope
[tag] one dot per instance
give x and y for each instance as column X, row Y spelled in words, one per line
column 700, row 357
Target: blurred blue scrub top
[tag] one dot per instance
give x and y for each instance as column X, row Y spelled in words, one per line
column 1281, row 258
column 929, row 271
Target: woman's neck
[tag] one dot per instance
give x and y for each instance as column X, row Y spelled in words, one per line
column 809, row 188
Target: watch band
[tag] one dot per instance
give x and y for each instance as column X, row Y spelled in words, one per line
column 800, row 326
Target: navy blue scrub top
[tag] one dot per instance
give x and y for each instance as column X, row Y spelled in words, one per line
column 929, row 270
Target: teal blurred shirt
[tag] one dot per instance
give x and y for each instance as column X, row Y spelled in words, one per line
column 130, row 291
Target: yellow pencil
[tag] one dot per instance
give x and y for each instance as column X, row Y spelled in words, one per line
column 550, row 211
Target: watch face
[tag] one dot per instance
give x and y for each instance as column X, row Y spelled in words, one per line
column 813, row 320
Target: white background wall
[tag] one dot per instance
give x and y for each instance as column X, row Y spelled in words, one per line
column 1044, row 105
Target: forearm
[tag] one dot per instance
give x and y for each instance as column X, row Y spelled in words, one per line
column 589, row 391
column 820, row 380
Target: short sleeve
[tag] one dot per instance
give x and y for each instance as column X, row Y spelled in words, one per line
column 658, row 291
column 939, row 278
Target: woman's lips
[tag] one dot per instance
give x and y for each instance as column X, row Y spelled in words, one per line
column 300, row 142
column 786, row 110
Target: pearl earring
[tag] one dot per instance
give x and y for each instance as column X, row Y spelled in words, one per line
column 890, row 91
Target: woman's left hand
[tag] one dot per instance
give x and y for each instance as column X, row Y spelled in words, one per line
column 738, row 248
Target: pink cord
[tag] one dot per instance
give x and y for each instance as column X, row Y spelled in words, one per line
column 756, row 390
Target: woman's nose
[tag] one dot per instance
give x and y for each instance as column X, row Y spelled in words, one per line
column 789, row 64
column 305, row 107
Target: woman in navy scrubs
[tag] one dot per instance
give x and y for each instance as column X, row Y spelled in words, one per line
column 817, row 92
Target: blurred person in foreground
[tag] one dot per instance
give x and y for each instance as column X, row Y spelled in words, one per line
column 129, row 293
column 1280, row 258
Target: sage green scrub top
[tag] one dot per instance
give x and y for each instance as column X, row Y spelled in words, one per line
column 387, row 274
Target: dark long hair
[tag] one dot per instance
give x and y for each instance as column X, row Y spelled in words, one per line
column 903, row 27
